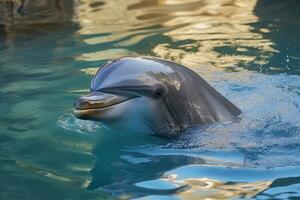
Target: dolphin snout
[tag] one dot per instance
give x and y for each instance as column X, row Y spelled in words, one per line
column 80, row 103
column 88, row 102
column 97, row 100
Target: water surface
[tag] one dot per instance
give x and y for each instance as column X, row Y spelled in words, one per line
column 248, row 50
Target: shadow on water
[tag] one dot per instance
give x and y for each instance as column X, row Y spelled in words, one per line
column 44, row 149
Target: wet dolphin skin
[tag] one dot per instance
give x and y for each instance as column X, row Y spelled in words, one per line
column 151, row 95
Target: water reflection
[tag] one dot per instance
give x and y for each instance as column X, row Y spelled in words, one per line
column 50, row 49
column 154, row 171
column 195, row 33
column 279, row 17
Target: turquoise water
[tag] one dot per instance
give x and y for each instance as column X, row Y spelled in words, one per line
column 249, row 51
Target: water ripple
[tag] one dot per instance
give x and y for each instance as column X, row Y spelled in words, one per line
column 69, row 122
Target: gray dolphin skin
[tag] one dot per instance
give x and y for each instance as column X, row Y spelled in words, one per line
column 151, row 95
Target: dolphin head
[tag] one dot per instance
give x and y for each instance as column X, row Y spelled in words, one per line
column 128, row 94
column 152, row 95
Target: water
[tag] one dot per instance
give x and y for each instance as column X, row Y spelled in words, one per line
column 248, row 50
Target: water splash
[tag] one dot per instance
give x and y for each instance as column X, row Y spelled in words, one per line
column 69, row 122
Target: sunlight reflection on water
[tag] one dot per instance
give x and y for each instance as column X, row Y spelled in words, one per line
column 247, row 50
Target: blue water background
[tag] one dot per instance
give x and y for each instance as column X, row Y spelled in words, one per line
column 248, row 50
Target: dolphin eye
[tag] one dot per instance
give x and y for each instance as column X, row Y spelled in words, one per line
column 158, row 91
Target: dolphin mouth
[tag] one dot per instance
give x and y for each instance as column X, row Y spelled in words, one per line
column 97, row 101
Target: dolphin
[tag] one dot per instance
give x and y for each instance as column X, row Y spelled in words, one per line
column 152, row 95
